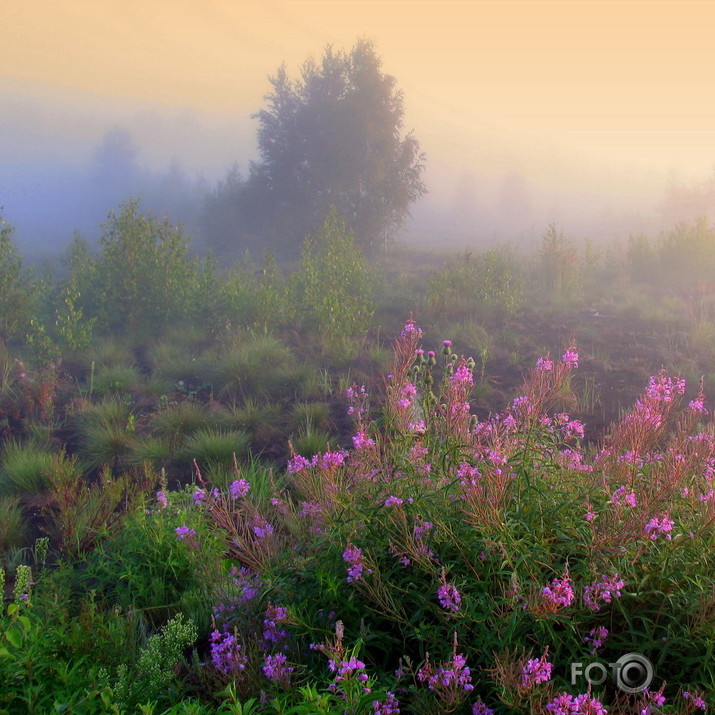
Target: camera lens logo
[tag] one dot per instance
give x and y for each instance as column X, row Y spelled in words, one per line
column 633, row 673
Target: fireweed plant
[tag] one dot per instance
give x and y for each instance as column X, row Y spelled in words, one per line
column 442, row 564
column 448, row 564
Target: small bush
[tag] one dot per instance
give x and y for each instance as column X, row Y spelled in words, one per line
column 24, row 469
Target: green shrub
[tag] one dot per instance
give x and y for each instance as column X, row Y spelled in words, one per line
column 257, row 366
column 214, row 447
column 487, row 286
column 335, row 285
column 24, row 469
column 13, row 527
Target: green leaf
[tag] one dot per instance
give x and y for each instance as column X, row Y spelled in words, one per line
column 14, row 637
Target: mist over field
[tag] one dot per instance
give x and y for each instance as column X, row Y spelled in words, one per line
column 69, row 158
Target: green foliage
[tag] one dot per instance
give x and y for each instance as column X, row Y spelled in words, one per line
column 330, row 138
column 25, row 469
column 145, row 279
column 212, row 448
column 256, row 296
column 143, row 567
column 48, row 660
column 16, row 288
column 116, row 379
column 560, row 268
column 75, row 332
column 336, row 285
column 258, row 366
column 13, row 527
column 82, row 514
column 489, row 285
column 154, row 676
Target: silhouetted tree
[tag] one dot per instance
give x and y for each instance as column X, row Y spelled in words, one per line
column 333, row 137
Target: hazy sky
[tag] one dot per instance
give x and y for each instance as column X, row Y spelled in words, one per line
column 607, row 95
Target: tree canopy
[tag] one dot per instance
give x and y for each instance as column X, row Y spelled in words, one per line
column 331, row 138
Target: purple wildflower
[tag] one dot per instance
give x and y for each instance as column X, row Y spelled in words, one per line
column 656, row 527
column 596, row 637
column 239, row 488
column 559, row 594
column 583, row 704
column 570, row 357
column 697, row 701
column 183, row 532
column 604, row 591
column 275, row 668
column 448, row 596
column 199, row 496
column 249, row 583
column 536, row 670
column 698, row 405
column 409, row 329
column 574, row 428
column 450, row 674
column 297, row 464
column 162, row 499
column 479, row 708
column 354, row 558
column 393, row 501
column 261, row 528
column 361, row 440
column 663, row 388
column 226, row 653
column 389, row 706
column 543, row 364
column 272, row 633
column 462, row 376
column 622, row 496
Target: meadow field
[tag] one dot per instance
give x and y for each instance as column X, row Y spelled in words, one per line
column 418, row 483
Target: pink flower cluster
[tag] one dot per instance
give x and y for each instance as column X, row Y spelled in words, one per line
column 239, row 488
column 226, row 653
column 583, row 704
column 409, row 329
column 389, row 706
column 663, row 388
column 248, row 582
column 468, row 475
column 536, row 670
column 452, row 673
column 184, row 532
column 560, row 593
column 570, row 357
column 603, row 591
column 543, row 364
column 354, row 558
column 361, row 440
column 657, row 527
column 596, row 637
column 409, row 392
column 624, row 496
column 346, row 669
column 272, row 632
column 462, row 375
column 448, row 597
column 275, row 668
column 326, row 461
column 697, row 701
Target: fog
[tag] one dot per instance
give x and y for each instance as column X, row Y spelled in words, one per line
column 70, row 157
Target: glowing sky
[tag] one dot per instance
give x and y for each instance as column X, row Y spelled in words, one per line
column 615, row 82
